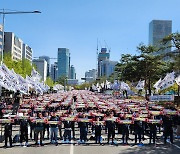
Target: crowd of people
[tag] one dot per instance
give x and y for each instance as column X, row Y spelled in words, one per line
column 59, row 116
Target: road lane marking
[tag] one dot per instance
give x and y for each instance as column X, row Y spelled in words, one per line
column 71, row 149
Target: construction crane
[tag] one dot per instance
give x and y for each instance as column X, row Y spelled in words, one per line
column 109, row 49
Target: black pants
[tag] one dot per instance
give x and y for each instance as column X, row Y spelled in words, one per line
column 138, row 135
column 168, row 133
column 153, row 136
column 125, row 133
column 24, row 136
column 73, row 132
column 37, row 132
column 6, row 139
column 67, row 134
column 32, row 132
column 98, row 139
column 111, row 133
column 83, row 134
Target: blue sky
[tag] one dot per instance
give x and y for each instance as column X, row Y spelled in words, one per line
column 76, row 24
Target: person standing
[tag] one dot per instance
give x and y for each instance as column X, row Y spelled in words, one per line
column 17, row 99
column 8, row 134
column 138, row 130
column 54, row 128
column 67, row 130
column 125, row 133
column 46, row 126
column 168, row 128
column 39, row 127
column 98, row 129
column 24, row 131
column 111, row 128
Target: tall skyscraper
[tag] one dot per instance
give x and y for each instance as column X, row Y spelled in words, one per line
column 158, row 29
column 54, row 71
column 41, row 65
column 103, row 55
column 72, row 72
column 47, row 59
column 107, row 67
column 63, row 62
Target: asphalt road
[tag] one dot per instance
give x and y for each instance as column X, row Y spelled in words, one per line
column 92, row 149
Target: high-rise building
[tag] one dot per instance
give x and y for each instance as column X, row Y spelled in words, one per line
column 103, row 55
column 72, row 72
column 47, row 59
column 158, row 29
column 27, row 52
column 41, row 65
column 13, row 45
column 54, row 71
column 1, row 38
column 107, row 67
column 90, row 75
column 63, row 62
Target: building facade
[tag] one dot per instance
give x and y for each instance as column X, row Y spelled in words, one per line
column 91, row 74
column 13, row 45
column 72, row 72
column 63, row 62
column 158, row 29
column 103, row 55
column 41, row 65
column 72, row 82
column 27, row 52
column 54, row 71
column 107, row 67
column 47, row 59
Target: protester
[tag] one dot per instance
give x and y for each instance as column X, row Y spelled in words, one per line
column 168, row 128
column 83, row 130
column 98, row 129
column 8, row 134
column 54, row 128
column 24, row 131
column 67, row 130
column 17, row 99
column 39, row 127
column 46, row 125
column 111, row 128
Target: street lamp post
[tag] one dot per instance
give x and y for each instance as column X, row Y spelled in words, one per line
column 3, row 18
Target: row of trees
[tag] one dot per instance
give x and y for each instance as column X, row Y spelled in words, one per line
column 22, row 67
column 148, row 65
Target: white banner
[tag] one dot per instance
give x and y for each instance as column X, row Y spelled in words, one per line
column 167, row 81
column 157, row 98
column 124, row 86
column 178, row 80
column 140, row 85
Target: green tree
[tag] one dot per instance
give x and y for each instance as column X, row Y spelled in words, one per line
column 22, row 67
column 49, row 82
column 175, row 43
column 146, row 66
